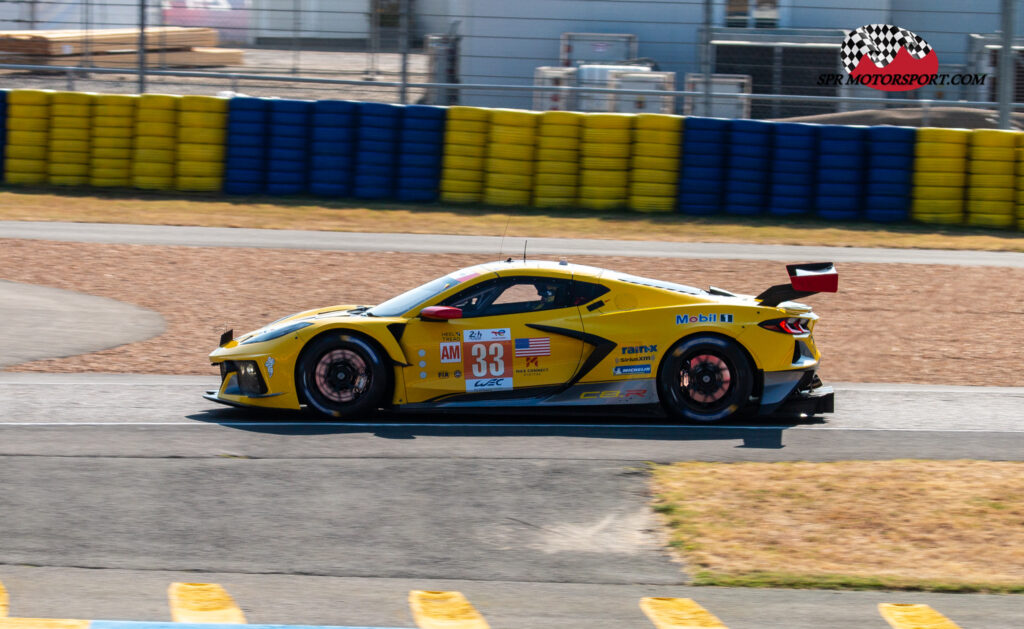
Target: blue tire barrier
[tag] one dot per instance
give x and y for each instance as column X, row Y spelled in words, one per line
column 334, row 134
column 419, row 148
column 416, row 172
column 828, row 161
column 885, row 216
column 746, row 187
column 738, row 139
column 698, row 198
column 375, row 158
column 791, row 190
column 796, row 179
column 417, row 195
column 376, row 150
column 249, row 141
column 423, row 124
column 704, row 173
column 289, row 105
column 803, row 203
column 895, row 162
column 276, row 129
column 255, row 153
column 288, row 146
column 286, row 155
column 242, row 187
column 329, row 106
column 804, row 168
column 340, row 164
column 839, row 132
column 422, row 137
column 236, row 127
column 415, row 159
column 240, row 175
column 378, row 135
column 750, row 150
column 276, row 166
column 704, row 187
column 805, row 142
column 704, row 160
column 761, row 127
column 285, row 189
column 287, row 142
column 248, row 116
column 889, row 189
column 420, row 183
column 247, row 103
column 891, row 148
column 699, row 210
column 788, row 154
column 698, row 123
column 741, row 164
column 322, row 119
column 429, row 112
column 288, row 119
column 706, row 136
column 885, row 203
column 902, row 135
column 795, row 129
column 889, row 175
column 382, row 110
column 245, row 145
column 700, row 148
column 840, row 147
column 323, row 188
column 319, row 147
column 737, row 209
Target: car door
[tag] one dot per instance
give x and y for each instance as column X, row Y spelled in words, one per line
column 518, row 335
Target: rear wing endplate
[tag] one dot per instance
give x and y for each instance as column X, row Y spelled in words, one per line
column 804, row 280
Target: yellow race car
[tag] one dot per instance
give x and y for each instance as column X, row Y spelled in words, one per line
column 541, row 334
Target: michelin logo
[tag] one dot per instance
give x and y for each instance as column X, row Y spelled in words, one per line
column 703, row 318
column 627, row 370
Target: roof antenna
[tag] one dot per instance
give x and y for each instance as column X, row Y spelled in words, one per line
column 524, row 249
column 502, row 245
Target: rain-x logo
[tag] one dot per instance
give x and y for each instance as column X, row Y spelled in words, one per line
column 891, row 59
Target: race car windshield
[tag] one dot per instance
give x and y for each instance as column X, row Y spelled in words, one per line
column 410, row 299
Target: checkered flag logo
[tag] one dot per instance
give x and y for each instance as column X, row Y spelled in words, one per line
column 881, row 43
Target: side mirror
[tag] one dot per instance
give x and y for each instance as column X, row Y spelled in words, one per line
column 440, row 313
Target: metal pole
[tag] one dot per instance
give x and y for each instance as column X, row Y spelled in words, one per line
column 705, row 58
column 1007, row 66
column 296, row 28
column 142, row 46
column 32, row 14
column 403, row 47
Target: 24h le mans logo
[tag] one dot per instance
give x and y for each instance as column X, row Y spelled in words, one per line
column 888, row 58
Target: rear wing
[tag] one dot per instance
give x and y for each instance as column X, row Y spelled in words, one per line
column 804, row 280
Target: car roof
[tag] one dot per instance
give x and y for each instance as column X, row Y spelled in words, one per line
column 579, row 271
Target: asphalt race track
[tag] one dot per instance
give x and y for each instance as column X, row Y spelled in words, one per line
column 116, row 485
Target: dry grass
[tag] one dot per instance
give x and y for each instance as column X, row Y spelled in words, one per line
column 130, row 207
column 932, row 525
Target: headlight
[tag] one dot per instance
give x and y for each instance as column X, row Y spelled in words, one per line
column 270, row 335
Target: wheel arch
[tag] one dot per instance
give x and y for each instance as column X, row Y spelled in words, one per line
column 758, row 373
column 362, row 336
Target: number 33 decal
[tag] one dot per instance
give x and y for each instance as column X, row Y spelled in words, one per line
column 488, row 357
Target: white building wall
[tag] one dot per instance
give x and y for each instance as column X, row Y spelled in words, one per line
column 71, row 14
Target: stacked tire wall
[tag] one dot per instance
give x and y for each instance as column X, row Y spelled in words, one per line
column 593, row 161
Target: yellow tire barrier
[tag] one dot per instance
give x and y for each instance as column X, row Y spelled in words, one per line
column 604, row 163
column 156, row 129
column 152, row 169
column 67, row 180
column 68, row 170
column 71, row 111
column 462, row 197
column 78, row 135
column 598, row 135
column 656, row 136
column 995, row 153
column 208, row 104
column 112, row 143
column 939, row 165
column 163, row 116
column 653, row 189
column 562, row 118
column 69, row 146
column 462, row 162
column 104, row 164
column 460, row 112
column 671, row 151
column 159, row 101
column 556, row 179
column 991, row 167
column 457, row 185
column 466, row 175
column 465, row 150
column 28, row 97
column 26, row 152
column 938, row 218
column 512, row 151
column 940, row 149
column 998, row 221
column 991, row 194
column 607, row 121
column 594, row 203
column 606, row 150
column 509, row 166
column 25, row 166
column 558, row 131
column 652, row 204
column 153, row 156
column 72, row 98
column 202, row 120
column 28, row 138
column 643, row 175
column 509, row 182
column 607, row 178
column 1020, row 199
column 125, row 115
column 514, row 117
column 557, row 167
column 211, row 170
column 152, row 183
column 554, row 202
column 27, row 124
column 116, row 100
column 603, row 192
column 975, row 206
column 938, row 192
column 502, row 196
column 197, row 184
column 25, row 179
column 162, row 143
column 938, row 206
column 944, row 179
column 467, row 138
column 659, row 122
column 121, row 133
column 558, row 192
column 935, row 134
column 195, row 135
column 656, row 163
column 464, row 126
column 68, row 157
column 77, row 124
column 557, row 155
column 200, row 152
column 110, row 182
column 28, row 111
column 558, row 143
column 995, row 138
column 512, row 135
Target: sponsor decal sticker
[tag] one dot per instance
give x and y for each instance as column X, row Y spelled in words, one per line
column 625, row 370
column 451, row 352
column 489, row 384
column 703, row 318
column 444, row 374
column 269, row 364
column 540, row 346
column 613, row 394
column 487, row 359
column 494, row 334
column 639, row 349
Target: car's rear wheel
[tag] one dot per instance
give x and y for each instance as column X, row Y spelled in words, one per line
column 705, row 378
column 341, row 375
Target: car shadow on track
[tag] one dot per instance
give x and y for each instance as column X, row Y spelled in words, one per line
column 641, row 424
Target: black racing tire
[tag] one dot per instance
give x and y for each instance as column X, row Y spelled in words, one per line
column 341, row 375
column 705, row 378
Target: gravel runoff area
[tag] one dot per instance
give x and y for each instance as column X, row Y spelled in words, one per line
column 888, row 323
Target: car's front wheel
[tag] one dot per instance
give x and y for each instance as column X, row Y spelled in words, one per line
column 705, row 378
column 341, row 375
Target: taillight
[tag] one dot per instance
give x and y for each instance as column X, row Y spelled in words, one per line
column 790, row 325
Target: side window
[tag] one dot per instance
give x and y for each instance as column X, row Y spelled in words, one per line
column 585, row 292
column 514, row 295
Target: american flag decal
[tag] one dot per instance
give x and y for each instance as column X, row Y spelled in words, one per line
column 540, row 346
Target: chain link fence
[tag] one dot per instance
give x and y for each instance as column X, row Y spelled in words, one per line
column 769, row 59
